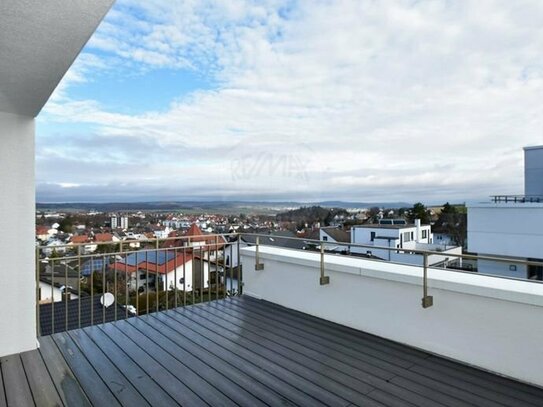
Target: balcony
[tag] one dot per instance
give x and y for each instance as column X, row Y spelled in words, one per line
column 243, row 351
column 303, row 328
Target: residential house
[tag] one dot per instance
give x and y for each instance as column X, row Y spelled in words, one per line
column 165, row 269
column 388, row 235
column 333, row 234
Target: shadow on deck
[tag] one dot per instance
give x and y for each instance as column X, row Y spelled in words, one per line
column 241, row 351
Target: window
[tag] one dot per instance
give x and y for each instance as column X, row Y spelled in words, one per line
column 412, row 236
column 407, row 236
column 372, row 236
column 424, row 234
column 181, row 280
column 325, row 238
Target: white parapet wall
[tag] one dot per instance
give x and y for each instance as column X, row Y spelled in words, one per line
column 17, row 226
column 492, row 323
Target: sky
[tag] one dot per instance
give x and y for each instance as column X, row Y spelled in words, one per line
column 297, row 100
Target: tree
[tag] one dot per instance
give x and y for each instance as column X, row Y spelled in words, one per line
column 452, row 222
column 419, row 211
column 66, row 224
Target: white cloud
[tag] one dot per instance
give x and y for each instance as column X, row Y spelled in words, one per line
column 416, row 100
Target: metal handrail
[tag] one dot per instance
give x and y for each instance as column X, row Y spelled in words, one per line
column 412, row 251
column 207, row 245
column 209, row 260
column 517, row 198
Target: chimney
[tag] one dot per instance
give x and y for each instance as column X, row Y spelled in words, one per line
column 66, row 295
column 417, row 224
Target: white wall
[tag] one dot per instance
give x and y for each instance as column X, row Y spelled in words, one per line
column 502, row 269
column 484, row 321
column 506, row 229
column 45, row 293
column 17, row 206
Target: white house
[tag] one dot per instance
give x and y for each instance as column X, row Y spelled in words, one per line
column 398, row 235
column 165, row 268
column 511, row 225
column 334, row 236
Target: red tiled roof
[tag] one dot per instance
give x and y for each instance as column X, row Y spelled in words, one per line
column 165, row 268
column 42, row 230
column 103, row 237
column 80, row 239
column 195, row 231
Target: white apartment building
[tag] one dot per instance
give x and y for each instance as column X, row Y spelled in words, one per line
column 114, row 222
column 119, row 222
column 511, row 225
column 397, row 235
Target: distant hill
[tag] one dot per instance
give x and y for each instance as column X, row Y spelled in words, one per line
column 207, row 205
column 311, row 214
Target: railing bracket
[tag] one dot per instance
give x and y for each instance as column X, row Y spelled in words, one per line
column 427, row 301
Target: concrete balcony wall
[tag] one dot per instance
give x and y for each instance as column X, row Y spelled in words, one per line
column 17, row 220
column 488, row 322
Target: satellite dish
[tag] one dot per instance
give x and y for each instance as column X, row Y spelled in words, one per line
column 107, row 299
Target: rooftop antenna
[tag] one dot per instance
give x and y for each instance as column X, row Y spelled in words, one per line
column 107, row 300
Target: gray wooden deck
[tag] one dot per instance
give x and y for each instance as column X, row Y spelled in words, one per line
column 242, row 352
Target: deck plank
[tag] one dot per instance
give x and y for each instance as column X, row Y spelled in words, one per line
column 348, row 337
column 150, row 390
column 411, row 354
column 257, row 372
column 179, row 369
column 15, row 382
column 309, row 338
column 248, row 352
column 116, row 382
column 68, row 387
column 294, row 363
column 3, row 402
column 431, row 386
column 41, row 385
column 171, row 384
column 287, row 348
column 486, row 380
column 311, row 390
column 328, row 355
column 235, row 380
column 95, row 388
column 220, row 382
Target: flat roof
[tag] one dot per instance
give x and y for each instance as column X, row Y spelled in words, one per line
column 375, row 226
column 533, row 148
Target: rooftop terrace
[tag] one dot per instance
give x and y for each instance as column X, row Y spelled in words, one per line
column 243, row 351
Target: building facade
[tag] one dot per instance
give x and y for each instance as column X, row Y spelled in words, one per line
column 511, row 225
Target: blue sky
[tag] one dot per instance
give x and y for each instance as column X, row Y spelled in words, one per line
column 301, row 100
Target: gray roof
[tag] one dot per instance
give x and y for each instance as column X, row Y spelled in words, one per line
column 59, row 311
column 339, row 235
column 376, row 226
column 278, row 238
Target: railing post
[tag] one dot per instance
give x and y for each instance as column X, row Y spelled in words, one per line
column 324, row 280
column 239, row 269
column 427, row 300
column 258, row 265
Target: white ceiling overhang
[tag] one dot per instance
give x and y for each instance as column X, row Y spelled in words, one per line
column 39, row 41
